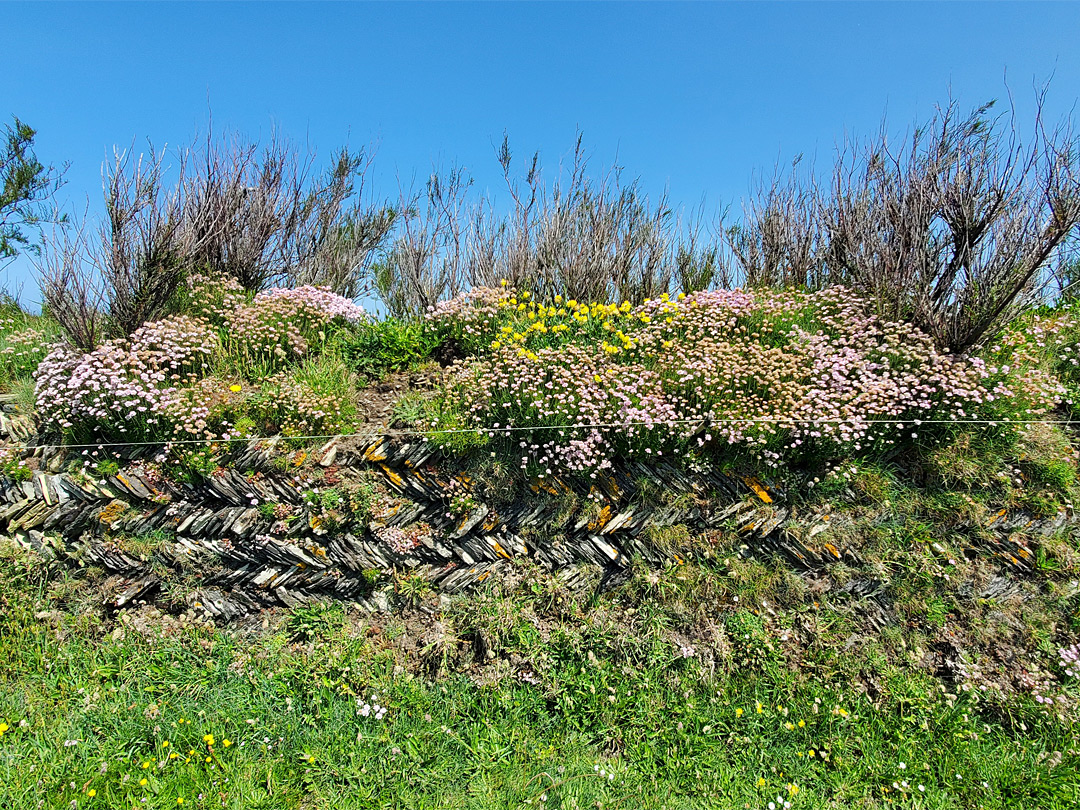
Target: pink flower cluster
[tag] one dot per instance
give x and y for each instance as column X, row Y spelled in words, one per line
column 281, row 323
column 404, row 540
column 126, row 385
column 471, row 317
column 779, row 374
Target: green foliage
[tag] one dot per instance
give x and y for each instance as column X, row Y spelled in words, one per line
column 412, row 588
column 598, row 708
column 25, row 339
column 375, row 348
column 13, row 467
column 318, row 619
column 194, row 463
column 25, row 185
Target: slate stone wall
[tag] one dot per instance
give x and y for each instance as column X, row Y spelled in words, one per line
column 237, row 558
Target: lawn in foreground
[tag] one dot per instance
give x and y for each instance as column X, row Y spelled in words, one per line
column 566, row 710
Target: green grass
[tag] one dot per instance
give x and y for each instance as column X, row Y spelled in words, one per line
column 621, row 714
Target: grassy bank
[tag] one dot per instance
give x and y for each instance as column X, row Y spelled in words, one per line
column 679, row 689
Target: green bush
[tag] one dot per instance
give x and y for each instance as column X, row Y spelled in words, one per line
column 375, row 348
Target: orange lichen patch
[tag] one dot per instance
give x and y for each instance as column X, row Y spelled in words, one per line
column 759, row 490
column 499, row 549
column 1023, row 552
column 601, row 520
column 829, row 547
column 537, row 485
column 372, row 453
column 749, row 527
column 315, row 522
column 298, row 458
column 997, row 517
column 489, row 525
column 110, row 513
column 483, row 576
column 393, row 476
column 607, row 483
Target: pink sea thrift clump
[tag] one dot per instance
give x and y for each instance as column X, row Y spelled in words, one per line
column 281, row 324
column 127, row 385
column 572, row 386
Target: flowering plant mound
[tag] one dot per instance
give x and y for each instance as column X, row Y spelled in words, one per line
column 776, row 375
column 127, row 385
column 157, row 383
column 281, row 324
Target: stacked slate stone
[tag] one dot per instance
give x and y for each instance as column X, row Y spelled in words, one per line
column 243, row 559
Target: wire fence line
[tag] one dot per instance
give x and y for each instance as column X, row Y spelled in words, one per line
column 491, row 430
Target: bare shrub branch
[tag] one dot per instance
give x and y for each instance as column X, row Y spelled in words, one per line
column 141, row 251
column 428, row 259
column 955, row 228
column 70, row 288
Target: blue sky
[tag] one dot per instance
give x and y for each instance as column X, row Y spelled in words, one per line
column 691, row 97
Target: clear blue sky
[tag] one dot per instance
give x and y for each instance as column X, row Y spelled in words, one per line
column 690, row 97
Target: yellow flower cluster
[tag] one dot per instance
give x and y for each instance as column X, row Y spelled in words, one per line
column 532, row 318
